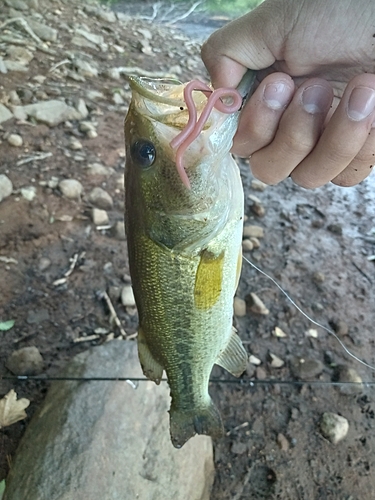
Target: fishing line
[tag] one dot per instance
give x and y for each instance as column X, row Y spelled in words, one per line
column 242, row 381
column 331, row 332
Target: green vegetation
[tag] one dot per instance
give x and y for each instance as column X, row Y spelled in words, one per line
column 2, row 488
column 235, row 7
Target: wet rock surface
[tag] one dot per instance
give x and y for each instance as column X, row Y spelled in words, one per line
column 114, row 438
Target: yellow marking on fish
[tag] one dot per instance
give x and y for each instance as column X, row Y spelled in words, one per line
column 208, row 280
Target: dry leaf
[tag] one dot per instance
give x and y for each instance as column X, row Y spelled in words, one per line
column 11, row 410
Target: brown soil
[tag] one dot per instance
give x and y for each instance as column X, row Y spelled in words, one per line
column 328, row 231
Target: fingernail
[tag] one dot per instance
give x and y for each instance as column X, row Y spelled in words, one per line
column 361, row 103
column 316, row 99
column 277, row 95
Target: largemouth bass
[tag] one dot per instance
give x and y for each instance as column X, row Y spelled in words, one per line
column 184, row 246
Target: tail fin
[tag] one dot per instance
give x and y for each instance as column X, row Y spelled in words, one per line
column 185, row 424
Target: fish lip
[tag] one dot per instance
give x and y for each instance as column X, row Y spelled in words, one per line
column 151, row 88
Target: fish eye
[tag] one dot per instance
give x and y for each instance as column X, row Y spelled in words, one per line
column 143, row 152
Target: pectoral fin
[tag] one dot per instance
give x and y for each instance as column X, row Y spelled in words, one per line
column 234, row 358
column 150, row 367
column 208, row 280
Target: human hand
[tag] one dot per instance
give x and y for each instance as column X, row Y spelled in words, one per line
column 312, row 115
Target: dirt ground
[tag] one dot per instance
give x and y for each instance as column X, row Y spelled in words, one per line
column 316, row 245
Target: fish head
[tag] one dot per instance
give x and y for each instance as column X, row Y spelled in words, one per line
column 156, row 197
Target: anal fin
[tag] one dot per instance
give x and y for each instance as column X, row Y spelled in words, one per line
column 234, row 358
column 151, row 368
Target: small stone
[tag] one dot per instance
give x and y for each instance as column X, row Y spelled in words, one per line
column 114, row 293
column 305, row 368
column 28, row 193
column 335, row 228
column 15, row 140
column 17, row 4
column 90, row 37
column 258, row 185
column 346, row 374
column 5, row 114
column 41, row 95
column 282, row 442
column 311, row 332
column 99, row 217
column 238, row 448
column 113, row 73
column 255, row 242
column 239, row 306
column 16, row 66
column 95, row 169
column 101, row 199
column 85, row 68
column 117, row 98
column 334, row 427
column 253, row 231
column 318, row 277
column 258, row 210
column 108, row 16
column 127, row 296
column 247, row 245
column 256, row 305
column 257, row 207
column 278, row 332
column 82, row 108
column 254, row 199
column 119, row 230
column 25, row 361
column 26, row 95
column 19, row 54
column 95, row 95
column 275, row 361
column 86, row 126
column 260, row 373
column 341, row 328
column 74, row 144
column 71, row 188
column 14, row 98
column 250, row 370
column 44, row 263
column 39, row 79
column 43, row 31
column 254, row 360
column 3, row 68
column 92, row 134
column 6, row 187
column 120, row 182
column 52, row 112
column 53, row 182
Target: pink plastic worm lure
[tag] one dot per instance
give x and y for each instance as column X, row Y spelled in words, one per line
column 194, row 126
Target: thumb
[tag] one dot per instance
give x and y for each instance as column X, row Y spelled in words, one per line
column 254, row 41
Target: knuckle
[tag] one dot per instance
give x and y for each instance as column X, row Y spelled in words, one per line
column 296, row 143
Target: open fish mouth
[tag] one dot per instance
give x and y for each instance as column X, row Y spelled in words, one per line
column 192, row 98
column 159, row 90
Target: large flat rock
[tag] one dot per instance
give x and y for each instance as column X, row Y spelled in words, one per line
column 107, row 440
